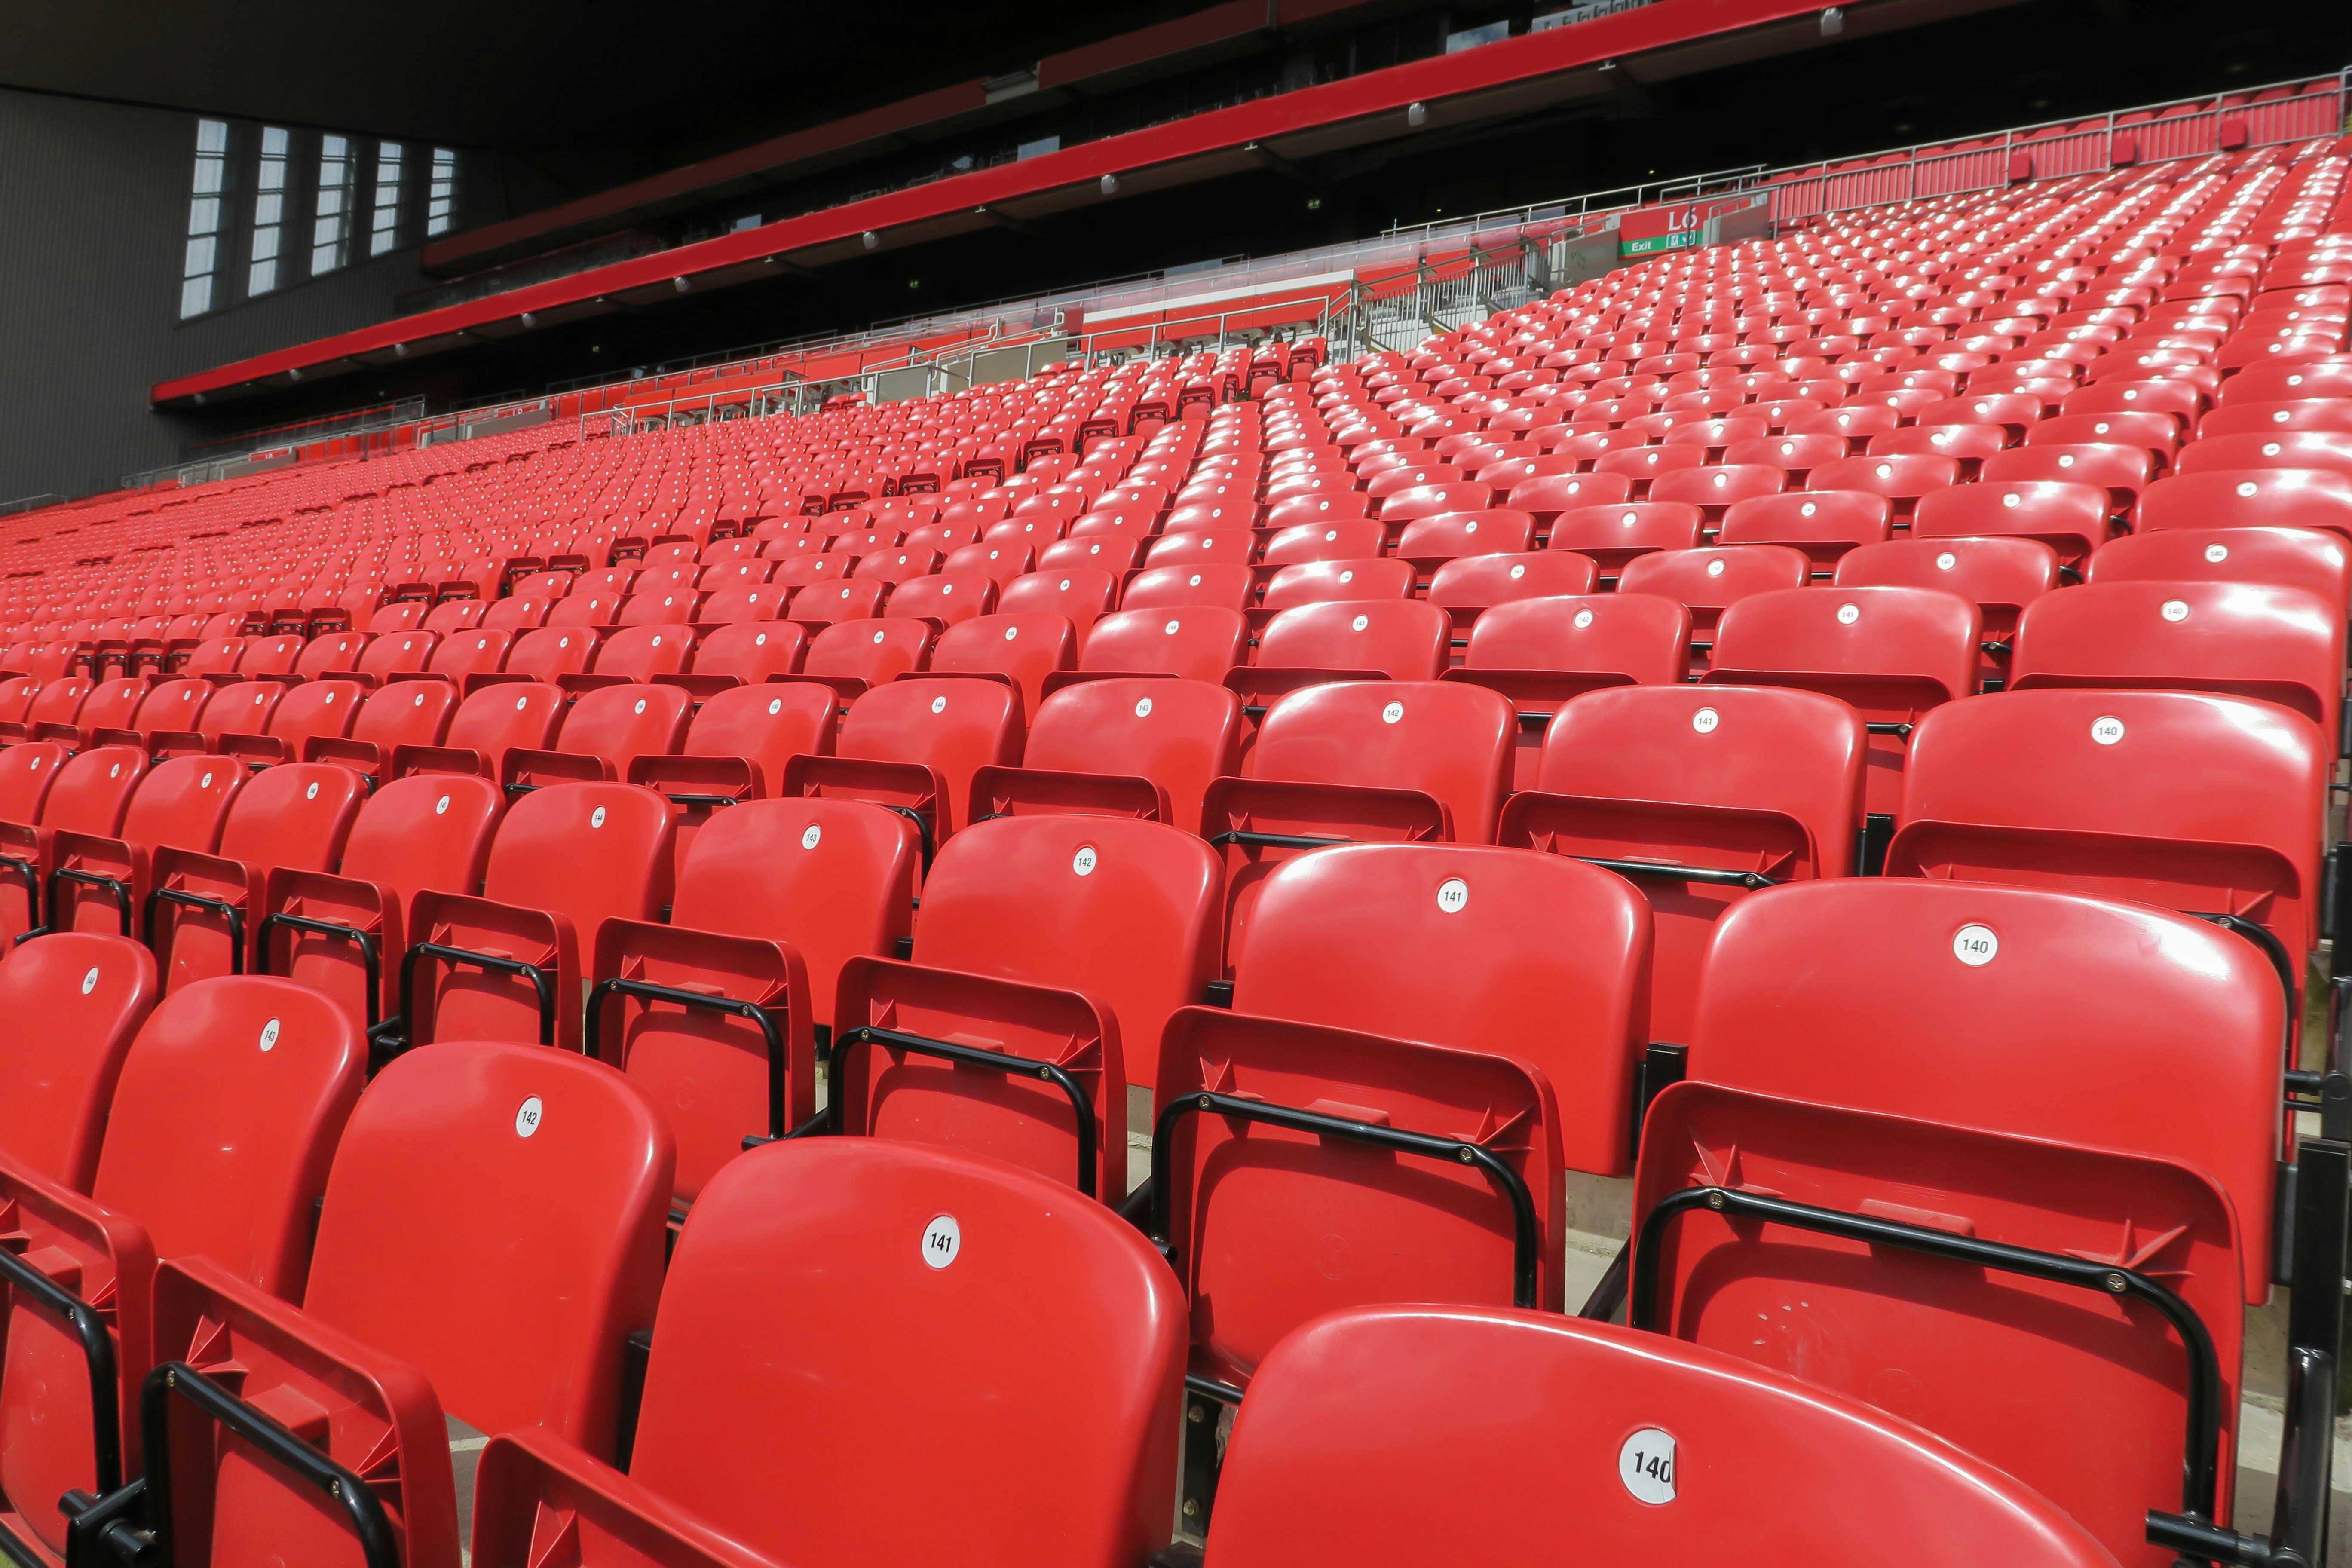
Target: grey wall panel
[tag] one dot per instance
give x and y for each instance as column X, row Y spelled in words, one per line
column 93, row 216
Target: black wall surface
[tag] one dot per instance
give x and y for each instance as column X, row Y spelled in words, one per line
column 93, row 223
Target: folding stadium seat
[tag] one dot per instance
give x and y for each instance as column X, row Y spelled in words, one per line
column 2123, row 471
column 113, row 705
column 1613, row 534
column 1397, row 639
column 736, row 745
column 2155, row 431
column 2072, row 519
column 1067, row 939
column 1890, row 653
column 853, row 656
column 1020, row 647
column 1080, row 594
column 1795, row 453
column 1352, row 761
column 213, row 1149
column 393, row 1333
column 397, row 653
column 1359, row 539
column 999, row 561
column 2027, row 1104
column 99, row 880
column 602, row 735
column 743, row 653
column 1698, row 797
column 1194, row 642
column 1824, row 524
column 2329, row 450
column 52, row 709
column 454, row 615
column 1198, row 549
column 1354, row 1447
column 198, row 914
column 944, row 598
column 515, row 613
column 509, row 964
column 1539, row 653
column 1714, row 490
column 2246, row 639
column 78, row 999
column 718, row 1015
column 1708, row 581
column 1545, row 496
column 550, row 653
column 1120, row 747
column 465, row 654
column 483, row 729
column 406, row 714
column 2211, row 806
column 913, row 745
column 2277, row 498
column 998, row 1463
column 1468, row 585
column 2315, row 562
column 342, row 935
column 1350, row 1134
column 2001, row 575
column 637, row 654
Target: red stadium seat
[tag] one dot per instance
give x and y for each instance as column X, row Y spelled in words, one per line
column 913, row 746
column 1348, row 1133
column 79, row 998
column 1353, row 1447
column 2246, row 639
column 2044, row 1142
column 1120, row 747
column 1891, row 653
column 1003, row 1464
column 1698, row 797
column 510, row 964
column 393, row 1331
column 1065, row 941
column 715, row 1014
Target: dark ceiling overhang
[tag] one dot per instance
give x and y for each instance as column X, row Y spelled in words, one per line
column 1503, row 81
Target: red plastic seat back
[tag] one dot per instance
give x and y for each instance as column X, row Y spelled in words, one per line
column 836, row 881
column 26, row 771
column 496, row 719
column 1404, row 639
column 1613, row 534
column 2275, row 498
column 1447, row 741
column 2072, row 519
column 875, row 651
column 515, row 1309
column 431, row 830
column 586, row 852
column 1824, row 524
column 1333, row 581
column 1199, row 642
column 405, row 713
column 1728, row 779
column 92, row 790
column 1023, row 647
column 765, row 725
column 1354, row 1447
column 2315, row 562
column 1706, row 581
column 621, row 723
column 224, row 1116
column 182, row 802
column 2072, row 1076
column 1891, row 653
column 470, row 652
column 552, row 650
column 398, row 652
column 78, row 998
column 1178, row 734
column 1227, row 584
column 751, row 652
column 2001, row 575
column 2203, row 803
column 2248, row 639
column 983, row 1286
